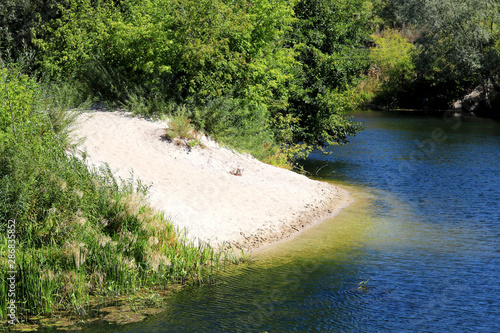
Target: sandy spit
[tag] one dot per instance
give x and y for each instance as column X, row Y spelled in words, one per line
column 195, row 187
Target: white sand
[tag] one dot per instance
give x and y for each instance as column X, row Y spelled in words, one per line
column 196, row 190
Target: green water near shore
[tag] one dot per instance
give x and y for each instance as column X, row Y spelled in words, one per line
column 346, row 230
column 422, row 238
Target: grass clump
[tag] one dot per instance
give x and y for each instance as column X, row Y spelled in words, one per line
column 79, row 231
column 181, row 131
column 180, row 127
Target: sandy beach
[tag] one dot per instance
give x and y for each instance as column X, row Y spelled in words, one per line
column 196, row 189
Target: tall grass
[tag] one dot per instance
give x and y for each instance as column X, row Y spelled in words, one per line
column 80, row 231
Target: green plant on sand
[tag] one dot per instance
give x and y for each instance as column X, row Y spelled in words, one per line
column 181, row 131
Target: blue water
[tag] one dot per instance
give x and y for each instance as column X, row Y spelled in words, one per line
column 424, row 233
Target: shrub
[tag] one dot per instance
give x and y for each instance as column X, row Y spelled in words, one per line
column 237, row 66
column 79, row 231
column 180, row 127
column 17, row 92
column 328, row 37
column 393, row 57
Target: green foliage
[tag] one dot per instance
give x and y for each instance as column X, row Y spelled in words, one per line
column 74, row 42
column 180, row 127
column 382, row 14
column 62, row 102
column 237, row 66
column 235, row 122
column 393, row 57
column 17, row 18
column 191, row 49
column 458, row 45
column 25, row 95
column 328, row 37
column 79, row 231
column 19, row 92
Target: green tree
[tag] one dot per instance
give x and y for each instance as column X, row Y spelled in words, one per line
column 264, row 72
column 393, row 59
column 18, row 19
column 329, row 38
column 73, row 42
column 382, row 14
column 459, row 41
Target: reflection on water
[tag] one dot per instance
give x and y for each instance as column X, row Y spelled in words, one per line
column 424, row 233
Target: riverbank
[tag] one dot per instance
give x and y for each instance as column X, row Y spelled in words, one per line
column 216, row 195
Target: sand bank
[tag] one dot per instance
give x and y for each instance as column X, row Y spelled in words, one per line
column 195, row 187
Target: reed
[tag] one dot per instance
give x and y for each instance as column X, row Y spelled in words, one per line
column 81, row 232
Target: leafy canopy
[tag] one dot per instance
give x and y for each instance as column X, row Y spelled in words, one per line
column 258, row 73
column 328, row 37
column 459, row 39
column 393, row 60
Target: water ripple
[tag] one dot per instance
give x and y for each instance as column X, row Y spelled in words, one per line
column 423, row 238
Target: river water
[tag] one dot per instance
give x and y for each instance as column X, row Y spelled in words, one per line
column 419, row 250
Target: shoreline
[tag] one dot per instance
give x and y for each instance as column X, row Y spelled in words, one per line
column 195, row 187
column 328, row 210
column 197, row 190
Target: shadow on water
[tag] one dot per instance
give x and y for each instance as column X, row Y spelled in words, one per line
column 417, row 252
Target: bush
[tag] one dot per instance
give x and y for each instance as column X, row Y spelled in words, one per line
column 395, row 70
column 237, row 66
column 18, row 92
column 181, row 131
column 328, row 37
column 79, row 231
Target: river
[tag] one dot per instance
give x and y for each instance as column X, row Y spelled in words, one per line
column 419, row 250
